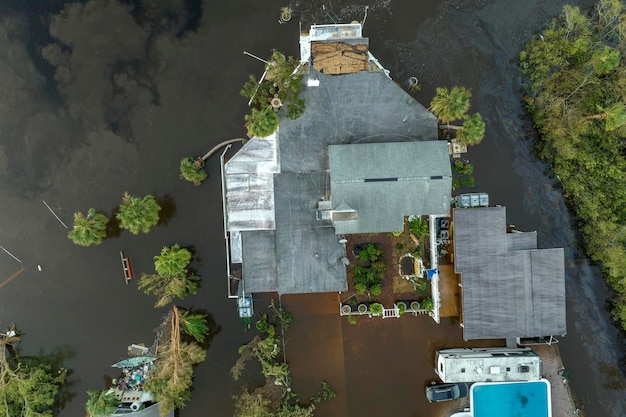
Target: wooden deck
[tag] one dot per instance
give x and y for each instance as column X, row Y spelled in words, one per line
column 450, row 292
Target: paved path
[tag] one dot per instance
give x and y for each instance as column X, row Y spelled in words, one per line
column 562, row 400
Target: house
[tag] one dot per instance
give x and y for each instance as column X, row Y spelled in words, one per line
column 362, row 156
column 510, row 289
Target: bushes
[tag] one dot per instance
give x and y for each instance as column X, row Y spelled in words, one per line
column 377, row 309
column 418, row 226
column 427, row 304
column 370, row 278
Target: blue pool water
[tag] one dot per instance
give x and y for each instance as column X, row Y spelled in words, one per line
column 511, row 399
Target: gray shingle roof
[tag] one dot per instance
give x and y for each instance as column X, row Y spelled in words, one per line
column 384, row 182
column 510, row 288
column 273, row 186
column 308, row 251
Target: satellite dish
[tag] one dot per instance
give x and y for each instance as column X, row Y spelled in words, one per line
column 345, row 261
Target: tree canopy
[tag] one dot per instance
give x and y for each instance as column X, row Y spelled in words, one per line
column 101, row 403
column 275, row 397
column 138, row 214
column 170, row 381
column 172, row 278
column 449, row 105
column 192, row 170
column 88, row 230
column 262, row 122
column 575, row 84
column 28, row 387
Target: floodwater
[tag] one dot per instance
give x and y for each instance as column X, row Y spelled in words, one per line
column 123, row 90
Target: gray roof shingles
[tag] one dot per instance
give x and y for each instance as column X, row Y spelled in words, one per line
column 510, row 288
column 293, row 252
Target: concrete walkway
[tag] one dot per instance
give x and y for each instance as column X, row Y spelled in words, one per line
column 562, row 400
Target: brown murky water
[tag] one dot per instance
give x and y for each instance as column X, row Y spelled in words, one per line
column 125, row 91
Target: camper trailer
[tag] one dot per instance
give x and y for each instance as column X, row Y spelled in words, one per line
column 488, row 365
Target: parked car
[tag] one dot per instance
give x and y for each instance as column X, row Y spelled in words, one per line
column 439, row 391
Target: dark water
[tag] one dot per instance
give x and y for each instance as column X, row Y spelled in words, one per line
column 129, row 88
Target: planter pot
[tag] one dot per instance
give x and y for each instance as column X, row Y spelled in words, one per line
column 346, row 309
column 401, row 306
column 362, row 308
column 415, row 305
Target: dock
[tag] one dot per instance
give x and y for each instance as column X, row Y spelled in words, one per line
column 127, row 268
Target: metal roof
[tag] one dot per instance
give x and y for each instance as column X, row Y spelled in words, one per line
column 249, row 183
column 509, row 289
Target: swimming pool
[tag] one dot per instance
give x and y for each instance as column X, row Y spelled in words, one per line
column 517, row 399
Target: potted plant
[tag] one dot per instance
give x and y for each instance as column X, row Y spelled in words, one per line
column 377, row 309
column 346, row 309
column 362, row 308
column 415, row 305
column 401, row 306
column 285, row 14
column 427, row 304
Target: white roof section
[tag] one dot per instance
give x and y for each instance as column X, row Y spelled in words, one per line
column 488, row 365
column 249, row 182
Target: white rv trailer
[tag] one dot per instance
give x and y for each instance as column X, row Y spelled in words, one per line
column 488, row 365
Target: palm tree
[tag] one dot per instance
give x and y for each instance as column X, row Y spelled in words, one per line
column 450, row 105
column 262, row 123
column 170, row 381
column 173, row 260
column 101, row 403
column 138, row 214
column 192, row 169
column 88, row 230
column 472, row 131
column 172, row 279
column 614, row 116
column 194, row 325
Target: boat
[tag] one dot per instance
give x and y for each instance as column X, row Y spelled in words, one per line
column 128, row 388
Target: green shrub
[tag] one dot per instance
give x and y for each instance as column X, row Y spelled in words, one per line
column 376, row 289
column 351, row 319
column 422, row 286
column 401, row 307
column 360, row 274
column 399, row 246
column 419, row 227
column 396, row 234
column 427, row 304
column 262, row 324
column 377, row 309
column 360, row 288
column 262, row 122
